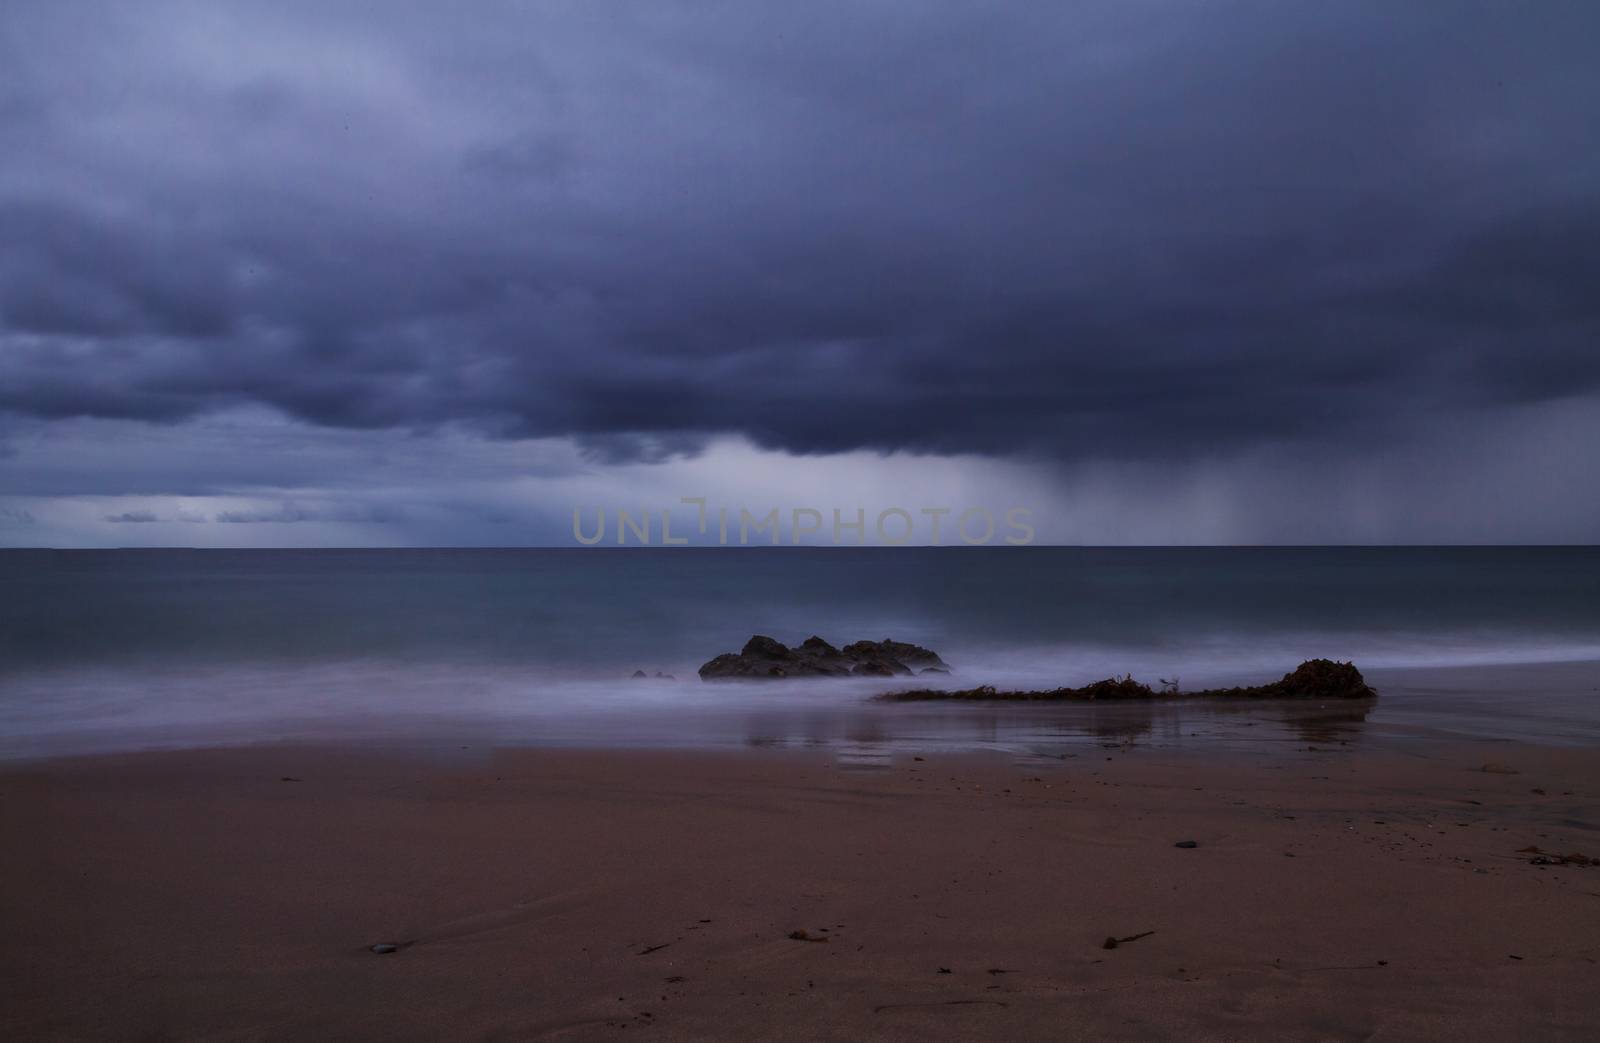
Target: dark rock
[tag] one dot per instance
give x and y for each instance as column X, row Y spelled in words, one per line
column 640, row 673
column 1323, row 679
column 879, row 668
column 913, row 657
column 384, row 948
column 764, row 657
column 1186, row 843
column 765, row 647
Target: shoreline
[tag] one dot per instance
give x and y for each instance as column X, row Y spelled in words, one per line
column 562, row 893
column 106, row 710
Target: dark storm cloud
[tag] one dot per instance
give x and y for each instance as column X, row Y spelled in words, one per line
column 1079, row 231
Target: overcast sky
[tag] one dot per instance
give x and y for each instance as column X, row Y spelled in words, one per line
column 335, row 273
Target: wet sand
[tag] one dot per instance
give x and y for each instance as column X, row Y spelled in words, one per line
column 1332, row 894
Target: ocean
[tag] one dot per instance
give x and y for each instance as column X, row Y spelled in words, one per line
column 134, row 649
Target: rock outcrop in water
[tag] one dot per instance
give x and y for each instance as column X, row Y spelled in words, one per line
column 763, row 657
column 1312, row 679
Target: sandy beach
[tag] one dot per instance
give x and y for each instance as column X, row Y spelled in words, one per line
column 1330, row 894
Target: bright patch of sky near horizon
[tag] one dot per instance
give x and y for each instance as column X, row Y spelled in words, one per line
column 251, row 479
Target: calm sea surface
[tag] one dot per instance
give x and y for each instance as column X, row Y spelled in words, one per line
column 128, row 649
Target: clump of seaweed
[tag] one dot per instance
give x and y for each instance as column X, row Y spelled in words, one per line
column 1312, row 679
column 1110, row 688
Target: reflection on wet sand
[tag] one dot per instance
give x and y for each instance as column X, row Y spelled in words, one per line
column 872, row 735
column 1332, row 724
column 1328, row 723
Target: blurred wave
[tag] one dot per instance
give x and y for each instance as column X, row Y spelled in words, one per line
column 108, row 649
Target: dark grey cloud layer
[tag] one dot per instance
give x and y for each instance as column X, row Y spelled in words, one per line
column 1074, row 230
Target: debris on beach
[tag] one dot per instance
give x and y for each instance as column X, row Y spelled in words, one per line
column 806, row 936
column 385, row 948
column 1545, row 858
column 1112, row 943
column 1312, row 679
column 765, row 658
column 1187, row 843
